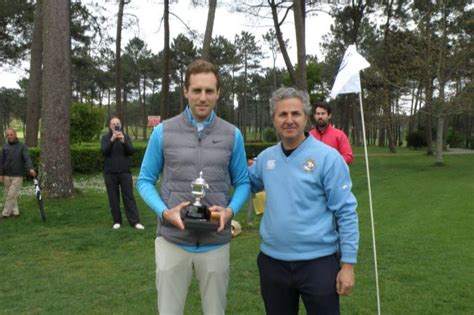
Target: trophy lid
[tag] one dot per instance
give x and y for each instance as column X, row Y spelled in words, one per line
column 200, row 181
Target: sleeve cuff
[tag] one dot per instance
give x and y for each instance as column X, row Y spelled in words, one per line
column 349, row 257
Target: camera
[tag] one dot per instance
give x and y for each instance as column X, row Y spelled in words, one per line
column 117, row 128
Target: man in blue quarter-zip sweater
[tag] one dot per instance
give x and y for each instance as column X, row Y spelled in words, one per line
column 308, row 190
column 179, row 149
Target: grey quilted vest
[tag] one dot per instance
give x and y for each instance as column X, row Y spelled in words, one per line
column 186, row 154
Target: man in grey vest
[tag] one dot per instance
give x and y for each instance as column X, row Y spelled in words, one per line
column 179, row 150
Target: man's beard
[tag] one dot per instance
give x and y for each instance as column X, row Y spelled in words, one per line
column 321, row 124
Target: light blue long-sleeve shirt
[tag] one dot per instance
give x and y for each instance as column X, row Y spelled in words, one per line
column 307, row 194
column 152, row 167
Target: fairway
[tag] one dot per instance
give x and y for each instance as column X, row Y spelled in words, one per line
column 76, row 263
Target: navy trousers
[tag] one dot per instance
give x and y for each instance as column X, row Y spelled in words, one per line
column 282, row 283
column 117, row 183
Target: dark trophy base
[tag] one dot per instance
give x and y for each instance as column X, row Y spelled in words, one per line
column 198, row 218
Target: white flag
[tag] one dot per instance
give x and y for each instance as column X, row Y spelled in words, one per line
column 347, row 79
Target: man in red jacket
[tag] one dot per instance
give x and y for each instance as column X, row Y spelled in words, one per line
column 329, row 134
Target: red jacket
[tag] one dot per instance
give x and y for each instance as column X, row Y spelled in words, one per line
column 335, row 138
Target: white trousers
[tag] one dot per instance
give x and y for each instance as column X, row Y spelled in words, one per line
column 12, row 190
column 174, row 269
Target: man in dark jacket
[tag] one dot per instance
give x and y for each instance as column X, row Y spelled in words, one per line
column 15, row 156
column 116, row 148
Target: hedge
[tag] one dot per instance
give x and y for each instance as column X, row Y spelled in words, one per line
column 88, row 159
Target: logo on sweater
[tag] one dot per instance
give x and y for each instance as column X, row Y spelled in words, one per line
column 309, row 166
column 217, row 141
column 271, row 164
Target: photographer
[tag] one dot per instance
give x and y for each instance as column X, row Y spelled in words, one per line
column 116, row 148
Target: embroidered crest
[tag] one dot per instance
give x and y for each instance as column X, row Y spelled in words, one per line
column 271, row 164
column 309, row 166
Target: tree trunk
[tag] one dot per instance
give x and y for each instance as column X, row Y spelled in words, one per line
column 346, row 114
column 387, row 100
column 182, row 99
column 145, row 120
column 165, row 81
column 108, row 104
column 281, row 42
column 428, row 125
column 2, row 126
column 428, row 80
column 244, row 103
column 470, row 129
column 382, row 130
column 33, row 105
column 124, row 102
column 355, row 132
column 206, row 45
column 55, row 155
column 299, row 11
column 439, row 141
column 118, row 62
column 414, row 117
column 440, row 105
column 412, row 110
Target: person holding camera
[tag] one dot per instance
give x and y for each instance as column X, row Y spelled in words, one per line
column 117, row 148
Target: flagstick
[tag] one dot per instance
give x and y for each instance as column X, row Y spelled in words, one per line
column 370, row 203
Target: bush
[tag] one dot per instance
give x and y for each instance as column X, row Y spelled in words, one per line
column 416, row 139
column 269, row 135
column 253, row 149
column 455, row 139
column 86, row 123
column 88, row 159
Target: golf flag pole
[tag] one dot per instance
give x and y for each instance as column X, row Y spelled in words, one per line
column 370, row 205
column 348, row 81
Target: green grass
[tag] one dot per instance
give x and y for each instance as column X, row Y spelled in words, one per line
column 76, row 263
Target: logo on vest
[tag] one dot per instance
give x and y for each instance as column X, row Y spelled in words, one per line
column 271, row 164
column 217, row 141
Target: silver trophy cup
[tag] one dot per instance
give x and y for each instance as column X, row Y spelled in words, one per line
column 197, row 215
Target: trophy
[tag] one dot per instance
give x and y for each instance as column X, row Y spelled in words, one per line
column 197, row 216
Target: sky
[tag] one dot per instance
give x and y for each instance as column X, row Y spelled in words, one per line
column 148, row 13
